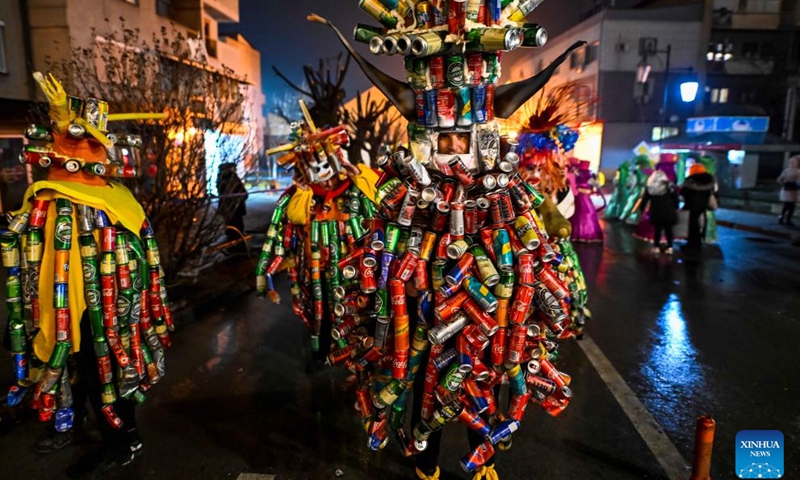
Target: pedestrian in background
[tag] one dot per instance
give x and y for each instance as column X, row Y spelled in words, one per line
column 660, row 196
column 697, row 190
column 788, row 179
column 232, row 203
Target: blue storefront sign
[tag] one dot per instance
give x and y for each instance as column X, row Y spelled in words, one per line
column 727, row 124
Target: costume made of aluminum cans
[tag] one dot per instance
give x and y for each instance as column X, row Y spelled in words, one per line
column 452, row 260
column 81, row 243
column 314, row 221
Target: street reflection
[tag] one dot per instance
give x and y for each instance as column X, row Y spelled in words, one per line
column 671, row 366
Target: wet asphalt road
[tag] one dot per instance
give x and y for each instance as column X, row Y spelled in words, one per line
column 717, row 336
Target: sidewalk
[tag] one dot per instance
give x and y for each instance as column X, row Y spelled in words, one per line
column 764, row 224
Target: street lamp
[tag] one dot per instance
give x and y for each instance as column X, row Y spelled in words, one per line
column 689, row 91
column 649, row 47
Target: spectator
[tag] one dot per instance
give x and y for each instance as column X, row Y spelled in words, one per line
column 232, row 202
column 662, row 199
column 697, row 190
column 788, row 180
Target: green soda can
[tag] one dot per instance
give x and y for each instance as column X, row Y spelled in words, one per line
column 363, row 33
column 88, row 246
column 356, row 228
column 109, row 394
column 382, row 302
column 454, row 71
column 138, row 397
column 315, row 234
column 492, row 67
column 392, row 237
column 389, row 394
column 397, row 414
column 9, row 243
column 367, row 207
column 387, row 187
column 315, row 343
column 489, row 275
column 536, row 197
column 402, row 241
column 108, row 263
column 502, row 249
column 100, row 347
column 535, row 35
column 13, row 287
column 505, row 288
column 153, row 258
column 59, row 356
column 96, row 321
column 452, row 378
column 438, row 273
column 16, row 337
column 417, row 72
column 34, row 247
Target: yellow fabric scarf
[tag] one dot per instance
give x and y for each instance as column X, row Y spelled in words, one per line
column 122, row 208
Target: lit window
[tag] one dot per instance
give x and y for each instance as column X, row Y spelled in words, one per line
column 660, row 133
column 715, row 95
column 723, row 95
column 719, row 95
column 3, row 66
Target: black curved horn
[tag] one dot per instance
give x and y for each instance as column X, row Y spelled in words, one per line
column 509, row 97
column 399, row 93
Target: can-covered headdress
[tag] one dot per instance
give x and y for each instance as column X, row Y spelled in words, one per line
column 78, row 138
column 315, row 154
column 452, row 56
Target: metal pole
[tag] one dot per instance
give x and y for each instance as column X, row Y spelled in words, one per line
column 664, row 118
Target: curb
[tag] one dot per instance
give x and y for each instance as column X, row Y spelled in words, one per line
column 762, row 231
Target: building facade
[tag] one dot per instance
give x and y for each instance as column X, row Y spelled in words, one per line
column 41, row 33
column 743, row 53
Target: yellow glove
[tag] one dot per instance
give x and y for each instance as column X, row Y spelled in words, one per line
column 57, row 98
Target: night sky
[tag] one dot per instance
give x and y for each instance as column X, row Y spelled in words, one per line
column 280, row 31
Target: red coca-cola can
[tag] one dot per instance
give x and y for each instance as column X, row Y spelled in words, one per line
column 475, row 68
column 499, row 347
column 496, row 218
column 456, row 16
column 475, row 338
column 551, row 372
column 517, row 342
column 397, row 297
column 441, row 247
column 440, row 217
column 421, row 277
column 428, row 405
column 480, row 318
column 446, row 309
column 546, row 276
column 489, row 102
column 368, row 282
column 518, row 404
column 405, row 269
column 470, row 217
column 363, row 403
column 63, row 325
column 446, row 108
column 124, row 277
column 523, row 297
column 400, row 364
column 104, row 369
column 109, row 239
column 525, row 274
column 461, row 171
column 38, row 213
column 436, row 71
column 111, row 417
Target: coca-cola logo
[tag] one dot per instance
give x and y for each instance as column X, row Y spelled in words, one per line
column 108, row 292
column 498, row 349
column 400, row 363
column 398, row 299
column 368, row 273
column 108, row 237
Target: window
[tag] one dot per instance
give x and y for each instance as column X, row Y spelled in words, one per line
column 3, row 66
column 719, row 95
column 162, row 7
column 660, row 133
